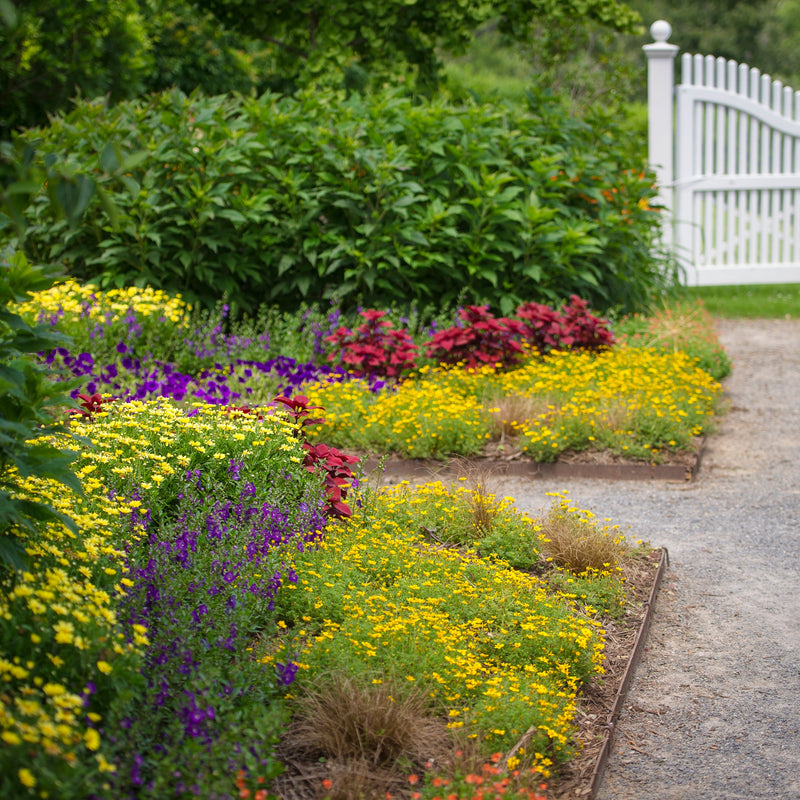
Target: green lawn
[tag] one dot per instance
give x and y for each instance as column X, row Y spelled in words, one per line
column 771, row 301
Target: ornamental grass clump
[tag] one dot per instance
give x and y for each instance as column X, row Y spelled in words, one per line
column 684, row 326
column 572, row 538
column 362, row 739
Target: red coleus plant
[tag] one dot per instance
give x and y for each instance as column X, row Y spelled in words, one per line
column 376, row 349
column 332, row 464
column 91, row 403
column 585, row 330
column 573, row 328
column 543, row 325
column 483, row 339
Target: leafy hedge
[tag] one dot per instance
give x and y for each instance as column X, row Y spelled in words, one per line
column 373, row 199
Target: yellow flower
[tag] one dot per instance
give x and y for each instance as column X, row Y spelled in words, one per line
column 64, row 632
column 103, row 765
column 104, row 667
column 26, row 778
column 92, row 739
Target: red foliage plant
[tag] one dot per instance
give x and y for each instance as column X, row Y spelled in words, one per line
column 484, row 339
column 574, row 328
column 375, row 349
column 91, row 403
column 333, row 464
column 582, row 329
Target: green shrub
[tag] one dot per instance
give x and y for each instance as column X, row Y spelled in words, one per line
column 373, row 200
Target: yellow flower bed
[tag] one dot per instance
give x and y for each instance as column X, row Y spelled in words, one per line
column 67, row 645
column 87, row 302
column 621, row 398
column 635, row 401
column 60, row 613
column 494, row 650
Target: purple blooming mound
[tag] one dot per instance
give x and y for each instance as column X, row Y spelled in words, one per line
column 205, row 576
column 132, row 378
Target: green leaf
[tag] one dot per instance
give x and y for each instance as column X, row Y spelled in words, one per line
column 8, row 14
column 12, row 553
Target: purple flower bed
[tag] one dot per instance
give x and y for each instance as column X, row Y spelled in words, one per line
column 205, row 576
column 131, row 378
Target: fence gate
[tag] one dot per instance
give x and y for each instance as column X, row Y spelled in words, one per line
column 727, row 165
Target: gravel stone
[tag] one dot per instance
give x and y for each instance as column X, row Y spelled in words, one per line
column 713, row 711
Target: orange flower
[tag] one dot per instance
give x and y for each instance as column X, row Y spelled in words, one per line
column 412, row 779
column 327, row 783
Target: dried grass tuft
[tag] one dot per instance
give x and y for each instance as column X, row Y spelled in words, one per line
column 509, row 413
column 351, row 741
column 574, row 541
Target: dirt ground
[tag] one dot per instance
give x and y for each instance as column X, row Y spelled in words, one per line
column 713, row 711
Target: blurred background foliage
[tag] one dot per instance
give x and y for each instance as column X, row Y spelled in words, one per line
column 341, row 212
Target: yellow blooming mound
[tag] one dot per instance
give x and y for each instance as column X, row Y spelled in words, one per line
column 61, row 642
column 66, row 643
column 74, row 302
column 153, row 443
column 638, row 402
column 492, row 647
column 627, row 399
column 431, row 414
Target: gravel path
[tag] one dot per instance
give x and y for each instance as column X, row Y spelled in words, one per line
column 714, row 709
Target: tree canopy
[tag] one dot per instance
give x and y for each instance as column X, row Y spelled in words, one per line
column 314, row 39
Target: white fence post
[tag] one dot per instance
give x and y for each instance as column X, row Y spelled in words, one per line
column 660, row 91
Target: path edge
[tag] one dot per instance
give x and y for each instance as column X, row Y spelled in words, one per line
column 609, row 729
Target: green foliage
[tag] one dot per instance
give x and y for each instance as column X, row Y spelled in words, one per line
column 28, row 405
column 315, row 42
column 51, row 52
column 190, row 50
column 372, row 200
column 29, row 400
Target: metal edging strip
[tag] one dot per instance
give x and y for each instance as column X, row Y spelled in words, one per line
column 633, row 661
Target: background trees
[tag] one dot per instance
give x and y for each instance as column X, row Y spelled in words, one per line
column 51, row 53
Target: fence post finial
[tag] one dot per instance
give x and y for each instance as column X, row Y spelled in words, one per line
column 661, row 30
column 660, row 88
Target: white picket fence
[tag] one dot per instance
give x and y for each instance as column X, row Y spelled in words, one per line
column 725, row 146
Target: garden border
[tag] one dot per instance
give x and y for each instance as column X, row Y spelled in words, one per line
column 397, row 469
column 609, row 728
